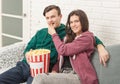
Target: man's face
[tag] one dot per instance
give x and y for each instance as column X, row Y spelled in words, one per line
column 53, row 18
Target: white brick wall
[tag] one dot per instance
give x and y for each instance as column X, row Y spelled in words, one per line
column 104, row 16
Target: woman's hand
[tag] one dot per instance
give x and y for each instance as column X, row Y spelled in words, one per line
column 103, row 54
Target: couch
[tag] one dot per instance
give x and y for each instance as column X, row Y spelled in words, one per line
column 9, row 55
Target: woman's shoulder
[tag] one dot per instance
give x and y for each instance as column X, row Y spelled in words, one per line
column 86, row 35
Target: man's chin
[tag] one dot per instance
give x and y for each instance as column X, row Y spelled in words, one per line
column 56, row 26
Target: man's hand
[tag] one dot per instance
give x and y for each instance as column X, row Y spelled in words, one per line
column 51, row 28
column 27, row 54
column 103, row 54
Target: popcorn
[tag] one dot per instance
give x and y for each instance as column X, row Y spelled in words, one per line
column 39, row 60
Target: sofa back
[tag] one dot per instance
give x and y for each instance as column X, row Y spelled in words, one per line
column 111, row 73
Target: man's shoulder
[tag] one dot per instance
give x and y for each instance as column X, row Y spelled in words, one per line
column 43, row 29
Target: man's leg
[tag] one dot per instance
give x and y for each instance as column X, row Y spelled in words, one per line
column 30, row 79
column 56, row 78
column 16, row 75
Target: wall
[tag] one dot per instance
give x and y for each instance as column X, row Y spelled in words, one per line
column 104, row 16
column 0, row 26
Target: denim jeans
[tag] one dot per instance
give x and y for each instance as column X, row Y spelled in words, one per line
column 30, row 79
column 16, row 75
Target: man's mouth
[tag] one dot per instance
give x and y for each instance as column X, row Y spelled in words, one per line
column 53, row 23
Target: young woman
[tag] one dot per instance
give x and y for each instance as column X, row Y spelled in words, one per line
column 75, row 52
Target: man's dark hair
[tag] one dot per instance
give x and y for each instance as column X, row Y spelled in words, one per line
column 51, row 7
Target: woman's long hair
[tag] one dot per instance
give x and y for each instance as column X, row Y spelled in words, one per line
column 70, row 35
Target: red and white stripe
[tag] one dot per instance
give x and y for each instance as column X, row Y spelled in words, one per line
column 39, row 64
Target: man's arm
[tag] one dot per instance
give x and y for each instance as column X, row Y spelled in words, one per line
column 103, row 53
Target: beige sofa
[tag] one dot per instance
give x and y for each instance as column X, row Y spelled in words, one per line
column 9, row 55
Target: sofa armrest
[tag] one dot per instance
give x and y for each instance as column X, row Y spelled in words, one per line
column 10, row 55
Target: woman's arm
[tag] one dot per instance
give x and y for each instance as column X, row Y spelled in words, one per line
column 78, row 45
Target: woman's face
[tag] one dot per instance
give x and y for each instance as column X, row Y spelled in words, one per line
column 75, row 25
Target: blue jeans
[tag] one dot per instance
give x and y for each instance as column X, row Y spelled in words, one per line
column 30, row 79
column 18, row 74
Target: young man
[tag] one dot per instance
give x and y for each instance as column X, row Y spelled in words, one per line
column 42, row 39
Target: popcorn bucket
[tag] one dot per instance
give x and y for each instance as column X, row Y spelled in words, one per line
column 39, row 61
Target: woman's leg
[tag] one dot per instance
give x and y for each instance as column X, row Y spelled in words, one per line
column 56, row 78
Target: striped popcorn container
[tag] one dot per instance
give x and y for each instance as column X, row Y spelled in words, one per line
column 39, row 61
